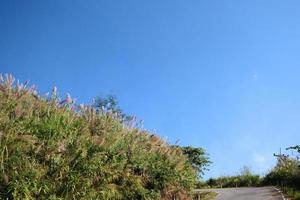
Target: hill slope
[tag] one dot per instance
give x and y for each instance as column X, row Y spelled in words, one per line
column 52, row 149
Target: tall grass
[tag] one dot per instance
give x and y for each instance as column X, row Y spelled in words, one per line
column 54, row 149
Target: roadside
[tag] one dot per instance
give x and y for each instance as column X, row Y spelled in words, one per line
column 245, row 193
column 289, row 193
column 205, row 195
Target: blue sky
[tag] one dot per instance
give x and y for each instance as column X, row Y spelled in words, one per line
column 223, row 75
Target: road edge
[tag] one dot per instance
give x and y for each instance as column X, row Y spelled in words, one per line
column 279, row 191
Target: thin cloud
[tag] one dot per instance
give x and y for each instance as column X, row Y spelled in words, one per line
column 262, row 163
column 255, row 76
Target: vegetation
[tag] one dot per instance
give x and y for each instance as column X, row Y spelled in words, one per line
column 245, row 179
column 206, row 196
column 197, row 157
column 55, row 149
column 286, row 174
column 291, row 193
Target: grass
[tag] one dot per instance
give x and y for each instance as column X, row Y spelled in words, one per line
column 291, row 193
column 51, row 148
column 207, row 196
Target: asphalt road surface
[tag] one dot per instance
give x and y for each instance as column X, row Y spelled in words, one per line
column 262, row 193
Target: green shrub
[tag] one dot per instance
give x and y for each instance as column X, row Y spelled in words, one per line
column 286, row 175
column 291, row 192
column 245, row 179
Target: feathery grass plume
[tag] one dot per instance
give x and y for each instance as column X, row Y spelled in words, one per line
column 54, row 92
column 48, row 151
column 9, row 81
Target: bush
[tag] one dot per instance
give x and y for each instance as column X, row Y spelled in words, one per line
column 291, row 193
column 244, row 179
column 286, row 174
column 53, row 149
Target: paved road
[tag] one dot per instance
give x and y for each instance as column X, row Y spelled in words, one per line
column 262, row 193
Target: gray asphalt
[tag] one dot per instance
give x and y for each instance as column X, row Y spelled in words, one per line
column 261, row 193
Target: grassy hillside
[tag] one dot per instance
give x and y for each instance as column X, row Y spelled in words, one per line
column 53, row 149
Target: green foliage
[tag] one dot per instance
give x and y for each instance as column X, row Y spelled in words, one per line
column 109, row 103
column 297, row 147
column 291, row 192
column 245, row 179
column 206, row 196
column 53, row 149
column 197, row 157
column 286, row 173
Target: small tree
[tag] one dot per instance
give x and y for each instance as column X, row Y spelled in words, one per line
column 198, row 158
column 110, row 104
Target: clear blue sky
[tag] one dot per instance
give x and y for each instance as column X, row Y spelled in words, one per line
column 223, row 75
